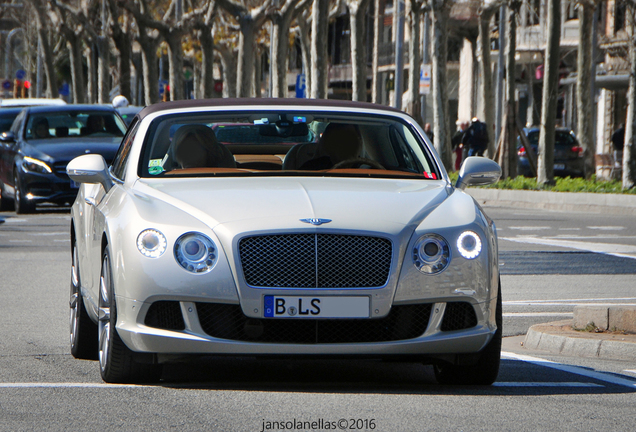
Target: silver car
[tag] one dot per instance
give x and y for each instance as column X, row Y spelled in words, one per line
column 282, row 227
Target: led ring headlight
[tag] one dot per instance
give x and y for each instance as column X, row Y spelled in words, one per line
column 431, row 254
column 195, row 252
column 151, row 243
column 469, row 245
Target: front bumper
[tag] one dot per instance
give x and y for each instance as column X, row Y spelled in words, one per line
column 434, row 340
column 53, row 187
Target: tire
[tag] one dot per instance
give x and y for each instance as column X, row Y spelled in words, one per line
column 485, row 371
column 21, row 204
column 116, row 360
column 5, row 203
column 83, row 331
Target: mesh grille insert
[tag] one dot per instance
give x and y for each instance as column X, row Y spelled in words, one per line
column 228, row 322
column 165, row 315
column 315, row 261
column 459, row 316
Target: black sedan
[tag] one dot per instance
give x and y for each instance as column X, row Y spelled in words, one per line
column 569, row 157
column 41, row 142
column 7, row 115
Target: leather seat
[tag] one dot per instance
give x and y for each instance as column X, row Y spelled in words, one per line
column 339, row 142
column 196, row 146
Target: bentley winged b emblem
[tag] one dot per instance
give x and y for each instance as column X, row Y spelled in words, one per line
column 315, row 221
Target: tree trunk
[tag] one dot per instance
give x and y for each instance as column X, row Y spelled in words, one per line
column 545, row 167
column 376, row 84
column 511, row 138
column 357, row 20
column 123, row 42
column 584, row 108
column 486, row 89
column 319, row 60
column 413, row 104
column 228, row 61
column 175, row 68
column 78, row 86
column 281, row 23
column 629, row 150
column 149, row 47
column 103, row 70
column 439, row 18
column 245, row 60
column 91, row 87
column 305, row 48
column 207, row 63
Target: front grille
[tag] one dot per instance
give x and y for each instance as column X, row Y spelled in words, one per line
column 60, row 168
column 228, row 322
column 459, row 316
column 165, row 315
column 315, row 261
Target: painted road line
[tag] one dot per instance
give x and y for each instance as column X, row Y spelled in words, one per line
column 568, row 301
column 66, row 385
column 530, row 228
column 545, row 384
column 607, row 228
column 599, row 376
column 537, row 314
column 20, row 241
column 604, row 248
column 49, row 233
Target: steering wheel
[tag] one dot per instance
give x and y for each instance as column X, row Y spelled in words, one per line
column 357, row 163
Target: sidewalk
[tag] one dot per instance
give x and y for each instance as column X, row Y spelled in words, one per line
column 559, row 337
column 560, row 201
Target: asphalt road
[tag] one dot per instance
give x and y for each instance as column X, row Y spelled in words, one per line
column 551, row 262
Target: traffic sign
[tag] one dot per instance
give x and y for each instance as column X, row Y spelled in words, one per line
column 20, row 74
column 425, row 79
column 301, row 86
column 6, row 84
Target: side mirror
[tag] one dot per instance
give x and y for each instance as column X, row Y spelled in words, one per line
column 478, row 171
column 90, row 168
column 7, row 137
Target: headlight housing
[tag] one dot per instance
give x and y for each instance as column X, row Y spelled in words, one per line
column 36, row 165
column 151, row 243
column 431, row 254
column 469, row 244
column 195, row 252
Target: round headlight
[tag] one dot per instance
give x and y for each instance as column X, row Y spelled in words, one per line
column 151, row 243
column 195, row 252
column 431, row 254
column 469, row 245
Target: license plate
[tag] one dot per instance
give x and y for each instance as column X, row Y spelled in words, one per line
column 559, row 166
column 315, row 307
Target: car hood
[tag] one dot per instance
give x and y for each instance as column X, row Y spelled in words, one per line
column 236, row 205
column 59, row 150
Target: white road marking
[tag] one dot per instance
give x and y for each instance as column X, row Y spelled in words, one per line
column 20, row 241
column 572, row 369
column 530, row 228
column 48, row 233
column 569, row 229
column 574, row 302
column 604, row 248
column 607, row 228
column 537, row 314
column 14, row 220
column 63, row 241
column 545, row 384
column 66, row 385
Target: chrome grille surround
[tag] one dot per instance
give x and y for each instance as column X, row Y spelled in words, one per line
column 315, row 261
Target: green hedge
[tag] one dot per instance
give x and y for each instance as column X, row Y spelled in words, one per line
column 566, row 184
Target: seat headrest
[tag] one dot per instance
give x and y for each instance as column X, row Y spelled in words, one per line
column 341, row 142
column 196, row 146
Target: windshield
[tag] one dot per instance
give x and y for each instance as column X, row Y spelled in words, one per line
column 74, row 124
column 298, row 143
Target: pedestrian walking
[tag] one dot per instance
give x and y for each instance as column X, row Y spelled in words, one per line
column 618, row 142
column 456, row 142
column 475, row 138
column 429, row 131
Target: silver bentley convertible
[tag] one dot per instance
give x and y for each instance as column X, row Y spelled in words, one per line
column 282, row 227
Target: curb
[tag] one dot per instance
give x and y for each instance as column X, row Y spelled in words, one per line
column 558, row 338
column 623, row 204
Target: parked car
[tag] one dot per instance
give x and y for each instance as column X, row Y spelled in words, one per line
column 569, row 157
column 42, row 140
column 25, row 102
column 128, row 113
column 356, row 245
column 7, row 115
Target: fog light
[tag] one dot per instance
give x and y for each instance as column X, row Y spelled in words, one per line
column 469, row 245
column 151, row 243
